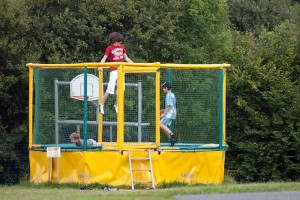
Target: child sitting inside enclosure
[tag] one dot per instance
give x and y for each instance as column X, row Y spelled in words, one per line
column 75, row 138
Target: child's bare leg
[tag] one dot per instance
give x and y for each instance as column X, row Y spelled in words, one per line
column 169, row 133
column 166, row 129
column 101, row 106
column 116, row 104
column 105, row 96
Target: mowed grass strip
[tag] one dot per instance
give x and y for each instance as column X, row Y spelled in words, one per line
column 71, row 192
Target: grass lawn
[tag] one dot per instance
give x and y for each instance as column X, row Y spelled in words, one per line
column 71, row 192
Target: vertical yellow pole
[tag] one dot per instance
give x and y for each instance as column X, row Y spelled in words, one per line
column 224, row 106
column 120, row 128
column 100, row 117
column 30, row 106
column 157, row 107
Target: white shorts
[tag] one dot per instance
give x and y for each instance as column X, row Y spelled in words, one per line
column 113, row 76
column 166, row 121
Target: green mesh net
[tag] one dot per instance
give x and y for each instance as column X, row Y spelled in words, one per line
column 57, row 115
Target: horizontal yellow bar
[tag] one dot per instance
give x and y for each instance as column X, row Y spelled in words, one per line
column 194, row 66
column 92, row 65
column 36, row 65
column 128, row 69
column 127, row 146
column 141, row 65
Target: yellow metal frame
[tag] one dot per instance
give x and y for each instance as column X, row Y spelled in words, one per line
column 120, row 118
column 30, row 106
column 124, row 67
column 100, row 117
column 224, row 107
column 105, row 65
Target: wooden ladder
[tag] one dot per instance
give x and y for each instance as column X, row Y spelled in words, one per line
column 150, row 169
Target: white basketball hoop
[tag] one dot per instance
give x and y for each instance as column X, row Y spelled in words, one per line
column 77, row 87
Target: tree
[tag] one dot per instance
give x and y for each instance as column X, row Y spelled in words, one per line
column 263, row 107
column 203, row 34
column 253, row 16
column 13, row 89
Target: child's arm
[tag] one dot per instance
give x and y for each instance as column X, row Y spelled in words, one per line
column 102, row 61
column 166, row 111
column 127, row 59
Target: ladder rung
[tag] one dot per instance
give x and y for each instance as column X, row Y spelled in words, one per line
column 142, row 181
column 139, row 158
column 141, row 170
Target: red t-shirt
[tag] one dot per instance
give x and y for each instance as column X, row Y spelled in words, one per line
column 115, row 54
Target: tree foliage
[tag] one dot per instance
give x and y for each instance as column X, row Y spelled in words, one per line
column 13, row 91
column 264, row 106
column 260, row 14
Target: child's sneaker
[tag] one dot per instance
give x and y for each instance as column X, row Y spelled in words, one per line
column 116, row 108
column 101, row 109
column 172, row 140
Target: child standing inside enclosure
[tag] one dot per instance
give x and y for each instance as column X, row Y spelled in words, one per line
column 116, row 52
column 169, row 113
column 75, row 138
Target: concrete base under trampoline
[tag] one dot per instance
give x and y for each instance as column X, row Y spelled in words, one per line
column 112, row 167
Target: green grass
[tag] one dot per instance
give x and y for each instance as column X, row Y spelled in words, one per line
column 50, row 191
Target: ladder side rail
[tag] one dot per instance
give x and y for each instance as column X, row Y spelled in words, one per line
column 151, row 169
column 130, row 168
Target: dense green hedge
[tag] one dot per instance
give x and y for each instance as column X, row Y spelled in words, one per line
column 263, row 108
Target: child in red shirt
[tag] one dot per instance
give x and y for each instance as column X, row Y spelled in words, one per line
column 116, row 52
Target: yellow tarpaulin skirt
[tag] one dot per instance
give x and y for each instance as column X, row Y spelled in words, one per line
column 110, row 167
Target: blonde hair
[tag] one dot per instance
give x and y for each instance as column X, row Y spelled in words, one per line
column 75, row 135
